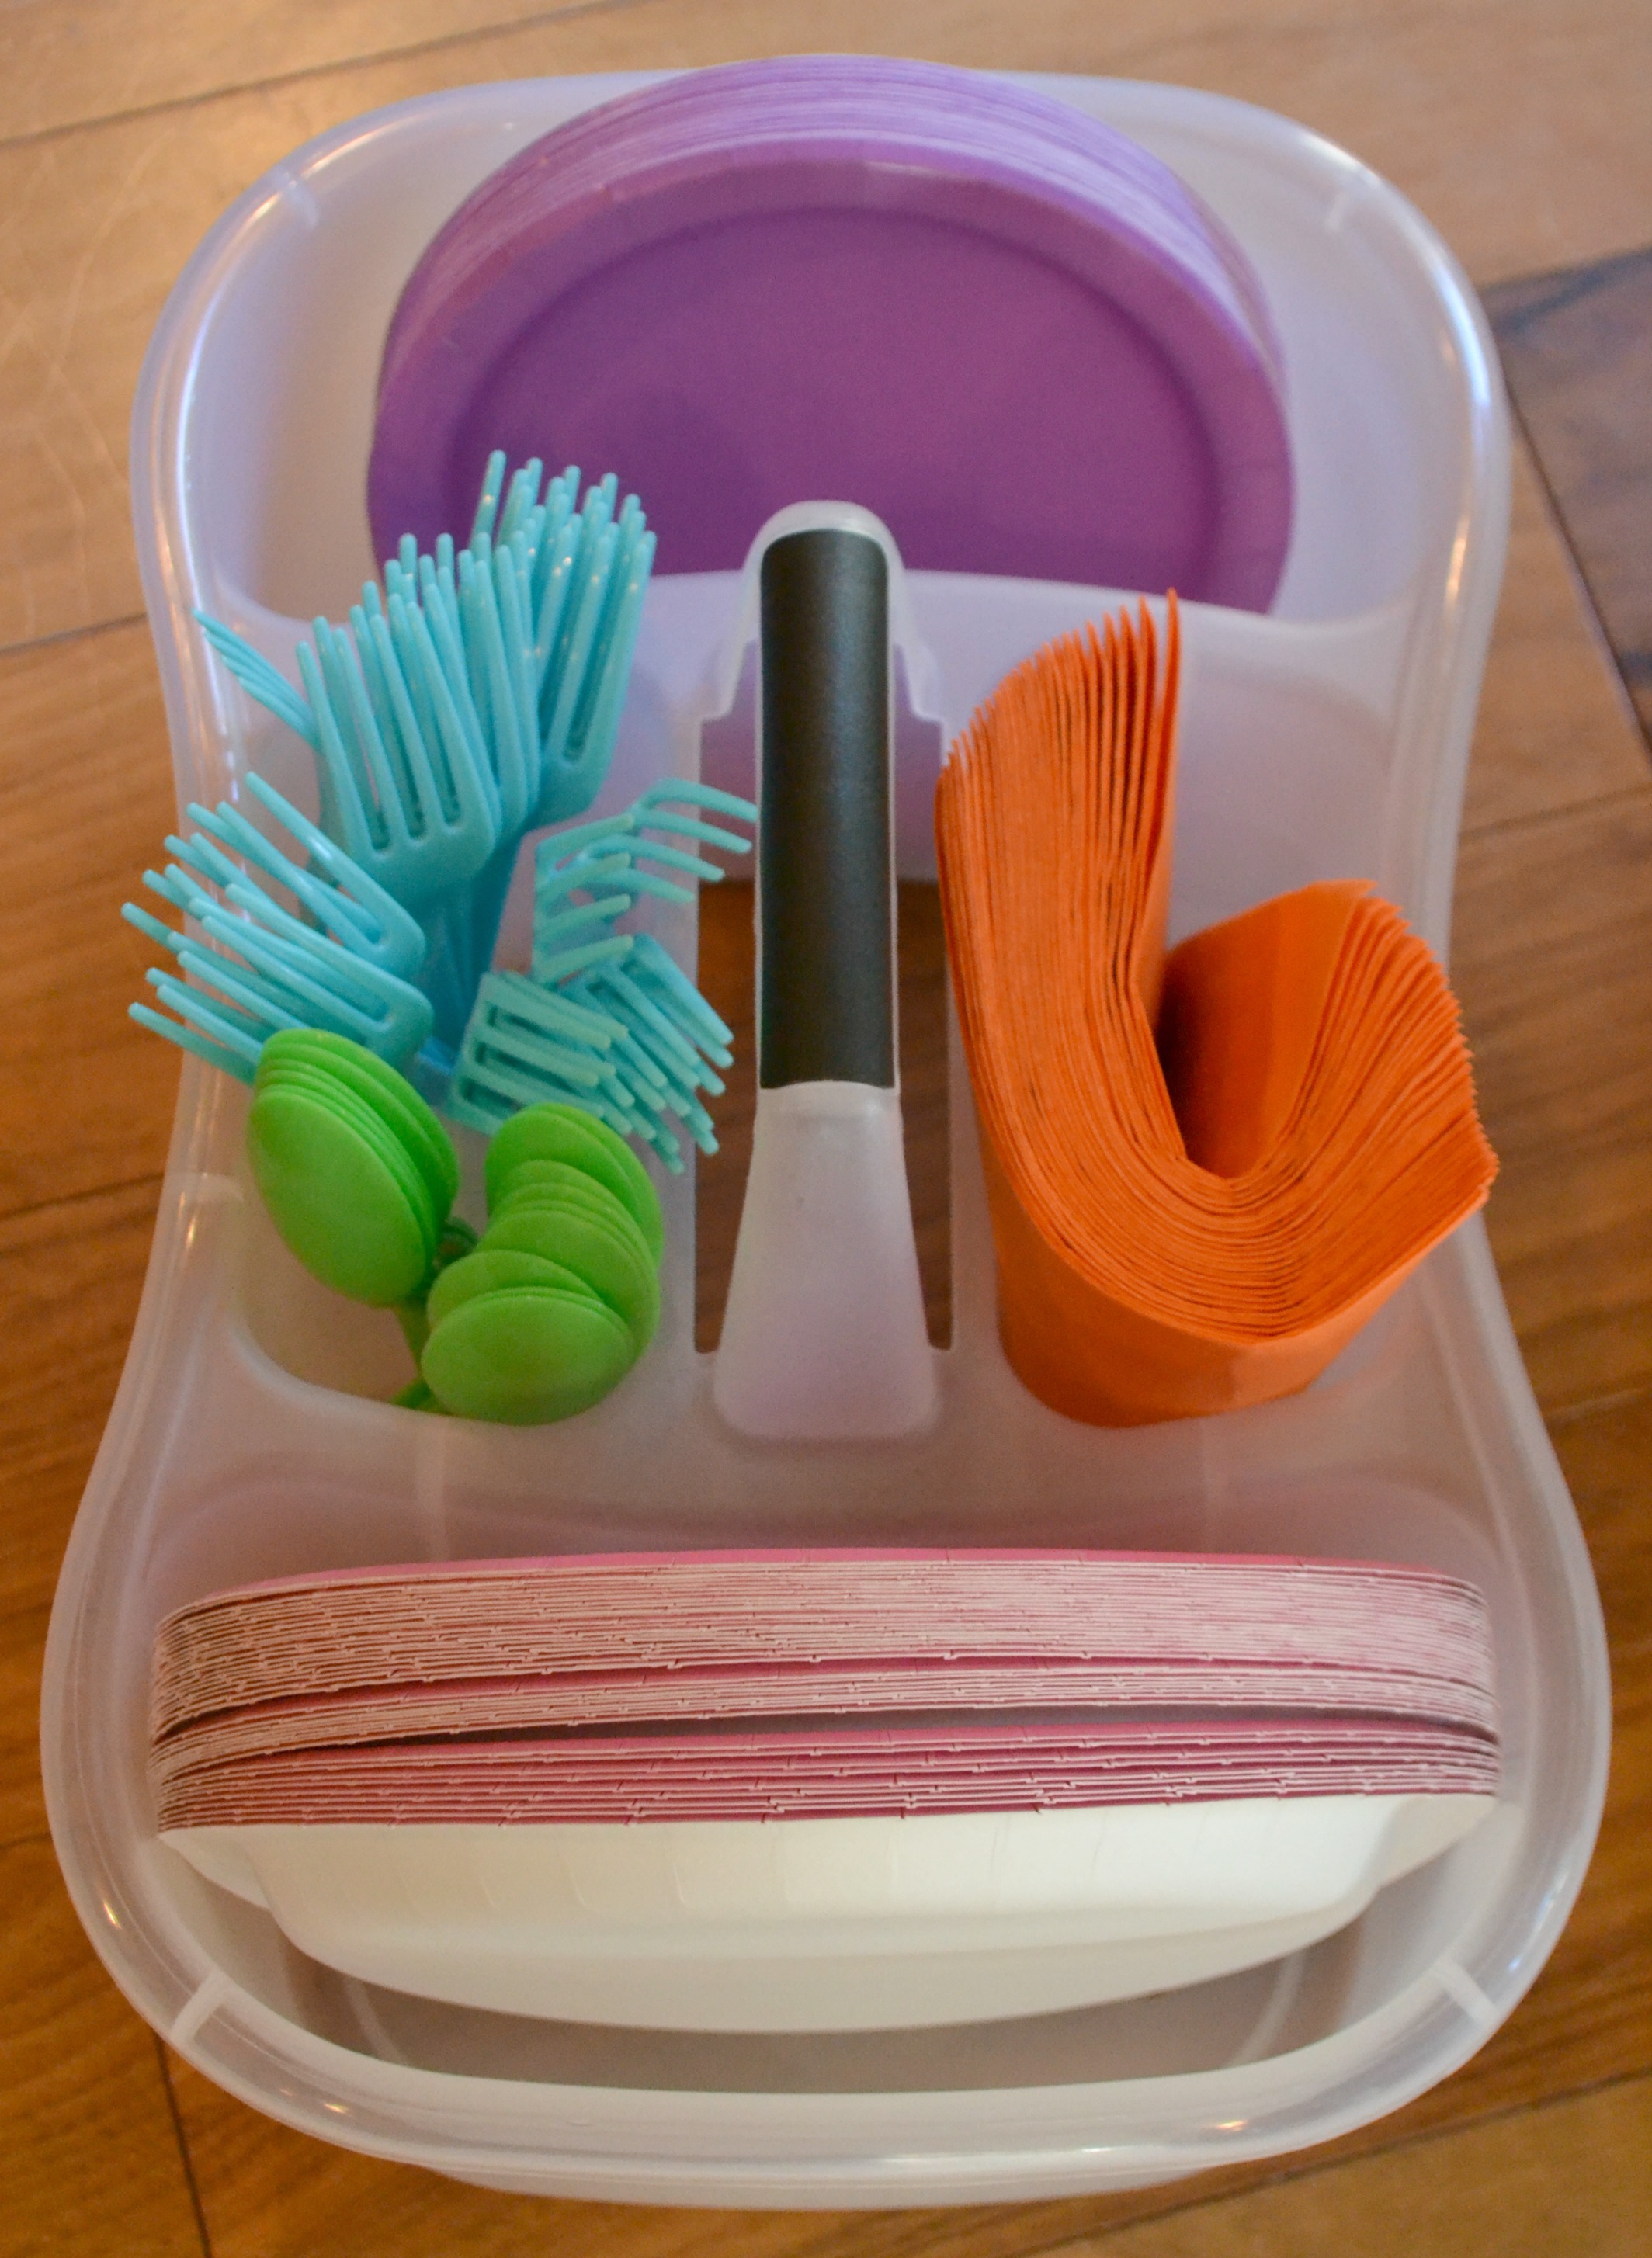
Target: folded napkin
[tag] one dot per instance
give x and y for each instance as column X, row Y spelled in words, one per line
column 1206, row 1169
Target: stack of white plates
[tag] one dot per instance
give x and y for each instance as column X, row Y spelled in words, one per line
column 819, row 1789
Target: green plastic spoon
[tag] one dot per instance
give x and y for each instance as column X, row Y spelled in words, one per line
column 527, row 1354
column 333, row 1084
column 491, row 1268
column 611, row 1257
column 403, row 1111
column 541, row 1318
column 543, row 1181
column 327, row 1094
column 458, row 1240
column 341, row 1208
column 562, row 1133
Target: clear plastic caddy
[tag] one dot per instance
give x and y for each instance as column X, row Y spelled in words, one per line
column 1327, row 739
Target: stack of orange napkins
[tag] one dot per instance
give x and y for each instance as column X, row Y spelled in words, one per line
column 1207, row 1169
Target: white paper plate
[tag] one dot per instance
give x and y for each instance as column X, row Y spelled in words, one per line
column 829, row 1924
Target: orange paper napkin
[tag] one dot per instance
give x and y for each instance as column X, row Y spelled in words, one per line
column 1206, row 1169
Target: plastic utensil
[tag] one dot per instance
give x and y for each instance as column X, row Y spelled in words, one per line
column 526, row 1354
column 356, row 1172
column 606, row 1020
column 475, row 697
column 485, row 1270
column 398, row 1104
column 607, row 1252
column 534, row 1183
column 564, row 1134
column 337, row 1202
column 824, row 1336
column 403, row 787
column 358, row 1176
column 333, row 891
column 523, row 1329
column 348, row 972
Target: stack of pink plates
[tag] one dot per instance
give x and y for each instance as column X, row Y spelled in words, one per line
column 1011, row 332
column 794, row 1684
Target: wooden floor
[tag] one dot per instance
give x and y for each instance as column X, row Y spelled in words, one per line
column 1520, row 127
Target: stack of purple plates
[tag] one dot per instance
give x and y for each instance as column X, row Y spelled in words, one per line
column 995, row 320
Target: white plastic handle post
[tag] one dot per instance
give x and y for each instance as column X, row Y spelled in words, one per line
column 823, row 1339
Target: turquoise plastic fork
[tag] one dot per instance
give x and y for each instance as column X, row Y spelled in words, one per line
column 607, row 1020
column 476, row 698
column 404, row 790
column 260, row 968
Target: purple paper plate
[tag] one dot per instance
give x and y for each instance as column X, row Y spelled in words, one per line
column 1003, row 327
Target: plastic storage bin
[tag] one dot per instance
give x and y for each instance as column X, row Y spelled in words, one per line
column 1327, row 739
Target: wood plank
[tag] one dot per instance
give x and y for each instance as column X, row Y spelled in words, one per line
column 90, row 2163
column 1553, row 960
column 70, row 1276
column 1544, row 165
column 1607, row 1453
column 1554, row 729
column 86, row 1096
column 1574, row 2177
column 65, row 66
column 1535, row 164
column 1576, row 350
column 22, row 1649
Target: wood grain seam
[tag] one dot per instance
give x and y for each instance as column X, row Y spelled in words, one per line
column 1621, row 1399
column 66, row 1200
column 1561, row 526
column 1429, row 2137
column 14, row 1615
column 32, row 1840
column 27, row 644
column 1536, row 819
column 164, row 2058
column 339, row 67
